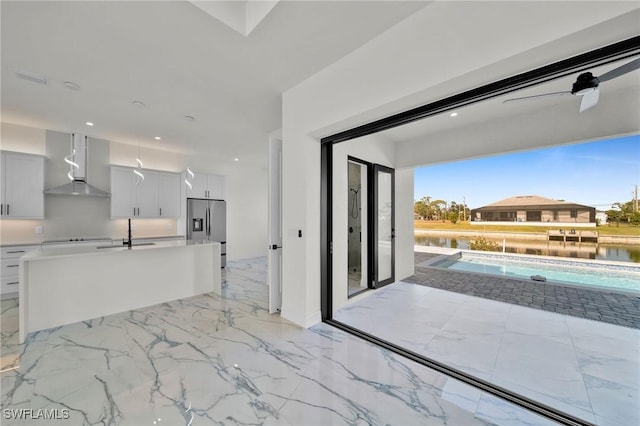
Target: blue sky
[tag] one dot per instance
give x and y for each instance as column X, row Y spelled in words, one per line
column 594, row 174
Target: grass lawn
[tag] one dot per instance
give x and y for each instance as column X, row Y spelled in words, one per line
column 623, row 229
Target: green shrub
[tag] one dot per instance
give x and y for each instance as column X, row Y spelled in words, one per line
column 482, row 244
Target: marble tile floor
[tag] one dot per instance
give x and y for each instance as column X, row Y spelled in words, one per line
column 225, row 360
column 354, row 282
column 587, row 368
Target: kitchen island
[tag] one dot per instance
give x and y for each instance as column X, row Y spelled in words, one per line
column 67, row 285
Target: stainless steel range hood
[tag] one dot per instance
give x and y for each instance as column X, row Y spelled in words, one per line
column 78, row 172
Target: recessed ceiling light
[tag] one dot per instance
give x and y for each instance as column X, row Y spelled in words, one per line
column 189, row 118
column 71, row 85
column 88, row 123
column 453, row 114
column 236, row 159
column 139, row 104
column 157, row 138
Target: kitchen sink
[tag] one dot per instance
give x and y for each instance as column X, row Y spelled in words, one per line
column 124, row 245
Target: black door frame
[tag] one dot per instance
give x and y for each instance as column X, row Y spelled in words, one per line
column 581, row 62
column 376, row 283
column 369, row 230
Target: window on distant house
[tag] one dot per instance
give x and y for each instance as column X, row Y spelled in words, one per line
column 555, row 215
column 574, row 213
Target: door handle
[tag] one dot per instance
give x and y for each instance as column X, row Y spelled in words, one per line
column 1, row 209
column 134, row 211
column 160, row 211
column 274, row 247
column 7, row 209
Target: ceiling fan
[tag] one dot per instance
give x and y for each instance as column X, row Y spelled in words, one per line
column 587, row 85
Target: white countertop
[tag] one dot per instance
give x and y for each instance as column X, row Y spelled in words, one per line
column 83, row 251
column 88, row 241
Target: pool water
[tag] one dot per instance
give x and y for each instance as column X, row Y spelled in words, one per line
column 589, row 275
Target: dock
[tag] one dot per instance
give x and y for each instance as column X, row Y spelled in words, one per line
column 573, row 235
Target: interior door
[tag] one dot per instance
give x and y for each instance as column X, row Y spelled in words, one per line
column 383, row 264
column 274, row 277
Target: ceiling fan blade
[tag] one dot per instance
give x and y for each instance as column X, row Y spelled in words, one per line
column 544, row 95
column 589, row 100
column 621, row 70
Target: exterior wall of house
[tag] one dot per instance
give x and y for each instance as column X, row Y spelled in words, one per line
column 586, row 215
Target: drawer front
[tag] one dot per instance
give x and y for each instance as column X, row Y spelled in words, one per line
column 10, row 267
column 10, row 281
column 17, row 251
column 9, row 285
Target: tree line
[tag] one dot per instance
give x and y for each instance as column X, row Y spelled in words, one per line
column 624, row 212
column 429, row 209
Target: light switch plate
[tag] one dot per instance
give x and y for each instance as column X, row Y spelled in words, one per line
column 39, row 230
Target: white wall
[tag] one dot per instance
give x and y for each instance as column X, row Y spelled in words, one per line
column 395, row 71
column 404, row 223
column 22, row 139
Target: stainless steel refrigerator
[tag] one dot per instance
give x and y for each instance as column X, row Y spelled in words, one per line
column 207, row 220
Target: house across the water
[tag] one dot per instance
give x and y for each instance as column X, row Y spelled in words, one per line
column 535, row 210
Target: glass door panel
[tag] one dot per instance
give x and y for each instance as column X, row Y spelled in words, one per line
column 384, row 255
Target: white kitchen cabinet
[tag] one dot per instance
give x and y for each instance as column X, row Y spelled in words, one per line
column 123, row 192
column 169, row 194
column 10, row 269
column 158, row 195
column 206, row 186
column 147, row 195
column 22, row 186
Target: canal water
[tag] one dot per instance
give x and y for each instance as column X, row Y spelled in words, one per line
column 543, row 248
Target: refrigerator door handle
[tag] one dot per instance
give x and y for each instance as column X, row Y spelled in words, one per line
column 206, row 223
column 209, row 225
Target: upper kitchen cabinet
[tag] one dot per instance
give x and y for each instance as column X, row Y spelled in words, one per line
column 158, row 195
column 169, row 194
column 147, row 194
column 206, row 186
column 21, row 186
column 123, row 192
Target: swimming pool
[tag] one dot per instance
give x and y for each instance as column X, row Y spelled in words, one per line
column 617, row 277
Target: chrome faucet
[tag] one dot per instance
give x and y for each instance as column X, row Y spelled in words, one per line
column 127, row 242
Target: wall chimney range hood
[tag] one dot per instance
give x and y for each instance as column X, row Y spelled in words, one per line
column 77, row 161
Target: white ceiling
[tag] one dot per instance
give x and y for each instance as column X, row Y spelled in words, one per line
column 177, row 59
column 492, row 127
column 495, row 111
column 206, row 60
